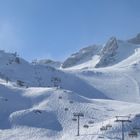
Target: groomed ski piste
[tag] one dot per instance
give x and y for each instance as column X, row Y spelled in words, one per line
column 104, row 88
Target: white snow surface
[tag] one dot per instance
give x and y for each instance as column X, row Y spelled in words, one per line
column 36, row 110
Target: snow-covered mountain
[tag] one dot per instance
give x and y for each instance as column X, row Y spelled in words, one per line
column 38, row 100
column 135, row 40
column 116, row 51
column 113, row 52
column 82, row 56
column 48, row 62
column 36, row 75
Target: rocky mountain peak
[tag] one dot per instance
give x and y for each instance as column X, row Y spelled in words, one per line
column 135, row 40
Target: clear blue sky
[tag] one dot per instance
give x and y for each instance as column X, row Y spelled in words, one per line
column 56, row 28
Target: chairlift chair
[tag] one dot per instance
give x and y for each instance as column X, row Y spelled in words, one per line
column 138, row 115
column 136, row 128
column 103, row 128
column 86, row 126
column 91, row 122
column 133, row 134
column 70, row 102
column 66, row 109
column 74, row 119
column 108, row 125
column 101, row 137
column 60, row 97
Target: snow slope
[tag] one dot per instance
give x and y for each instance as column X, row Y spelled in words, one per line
column 113, row 52
column 41, row 76
column 99, row 82
column 116, row 51
column 41, row 114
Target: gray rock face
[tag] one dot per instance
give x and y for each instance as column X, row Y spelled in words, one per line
column 108, row 52
column 82, row 56
column 135, row 40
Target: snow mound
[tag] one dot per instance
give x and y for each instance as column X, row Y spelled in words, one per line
column 36, row 118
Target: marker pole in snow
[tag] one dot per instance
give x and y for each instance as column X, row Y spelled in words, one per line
column 78, row 115
column 123, row 119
